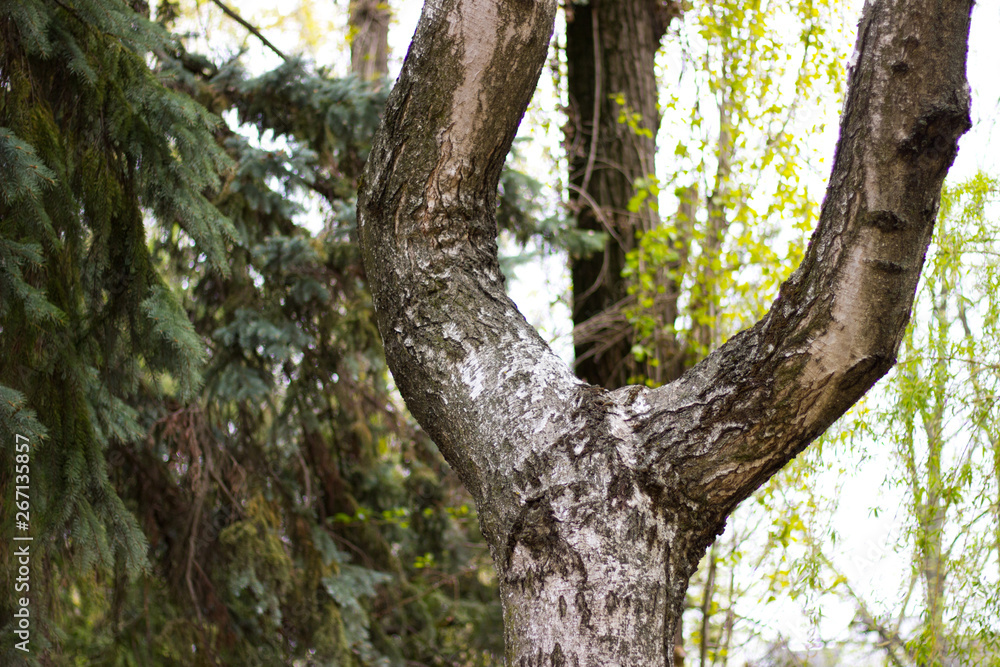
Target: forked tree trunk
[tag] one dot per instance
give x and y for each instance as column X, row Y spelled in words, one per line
column 596, row 504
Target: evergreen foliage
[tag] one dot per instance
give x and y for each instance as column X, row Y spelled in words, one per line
column 219, row 472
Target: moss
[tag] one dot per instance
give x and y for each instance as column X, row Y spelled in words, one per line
column 330, row 640
column 259, row 571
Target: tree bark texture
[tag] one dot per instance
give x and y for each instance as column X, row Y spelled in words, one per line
column 610, row 50
column 597, row 504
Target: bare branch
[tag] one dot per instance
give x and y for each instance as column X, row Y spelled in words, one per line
column 231, row 13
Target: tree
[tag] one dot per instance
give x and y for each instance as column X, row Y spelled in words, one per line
column 596, row 504
column 369, row 38
column 215, row 458
column 937, row 412
column 611, row 139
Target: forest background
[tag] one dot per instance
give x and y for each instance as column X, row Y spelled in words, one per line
column 220, row 470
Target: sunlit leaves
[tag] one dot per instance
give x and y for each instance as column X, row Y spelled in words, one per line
column 739, row 111
column 934, row 426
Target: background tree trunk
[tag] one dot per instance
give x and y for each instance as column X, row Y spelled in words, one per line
column 369, row 21
column 611, row 140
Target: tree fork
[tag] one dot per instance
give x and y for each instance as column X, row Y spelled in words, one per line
column 597, row 505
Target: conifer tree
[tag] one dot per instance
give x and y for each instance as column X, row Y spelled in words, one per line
column 219, row 474
column 91, row 143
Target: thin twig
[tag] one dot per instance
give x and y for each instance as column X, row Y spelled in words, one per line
column 599, row 212
column 199, row 482
column 305, row 474
column 231, row 13
column 229, row 494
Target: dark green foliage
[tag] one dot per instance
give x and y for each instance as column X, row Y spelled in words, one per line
column 217, row 461
column 520, row 212
column 80, row 112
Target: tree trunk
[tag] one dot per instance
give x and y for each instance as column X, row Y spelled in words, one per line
column 931, row 502
column 611, row 135
column 369, row 21
column 596, row 504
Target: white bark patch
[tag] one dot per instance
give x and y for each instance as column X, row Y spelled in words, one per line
column 626, row 441
column 518, row 391
column 609, row 608
column 854, row 58
column 473, row 374
column 843, row 343
column 472, row 25
column 476, row 28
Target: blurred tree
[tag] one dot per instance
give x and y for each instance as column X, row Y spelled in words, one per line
column 929, row 432
column 939, row 413
column 369, row 37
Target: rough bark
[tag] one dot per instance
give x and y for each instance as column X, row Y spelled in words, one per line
column 610, row 47
column 596, row 504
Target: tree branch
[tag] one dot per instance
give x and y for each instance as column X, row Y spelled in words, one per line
column 428, row 238
column 231, row 13
column 736, row 418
